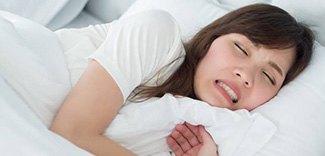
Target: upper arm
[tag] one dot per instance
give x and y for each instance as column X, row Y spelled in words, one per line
column 91, row 105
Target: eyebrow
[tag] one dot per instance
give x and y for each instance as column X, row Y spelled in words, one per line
column 272, row 64
column 276, row 67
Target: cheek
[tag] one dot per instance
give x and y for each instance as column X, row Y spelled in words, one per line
column 260, row 96
column 215, row 60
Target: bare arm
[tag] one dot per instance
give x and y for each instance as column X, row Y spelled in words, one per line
column 87, row 111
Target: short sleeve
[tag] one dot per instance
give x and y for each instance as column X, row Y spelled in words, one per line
column 139, row 46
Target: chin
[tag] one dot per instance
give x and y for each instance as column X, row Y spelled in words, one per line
column 214, row 101
column 217, row 104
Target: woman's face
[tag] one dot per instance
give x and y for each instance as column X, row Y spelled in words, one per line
column 238, row 74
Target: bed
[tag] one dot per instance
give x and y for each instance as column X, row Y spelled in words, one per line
column 34, row 78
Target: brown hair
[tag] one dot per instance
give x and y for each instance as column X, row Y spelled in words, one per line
column 263, row 24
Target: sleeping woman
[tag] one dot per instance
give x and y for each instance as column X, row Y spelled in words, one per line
column 238, row 62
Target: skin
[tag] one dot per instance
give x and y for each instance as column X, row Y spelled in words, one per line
column 87, row 111
column 189, row 140
column 254, row 72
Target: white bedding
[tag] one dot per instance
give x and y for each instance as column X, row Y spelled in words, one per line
column 143, row 127
column 51, row 13
column 23, row 133
column 32, row 62
column 34, row 79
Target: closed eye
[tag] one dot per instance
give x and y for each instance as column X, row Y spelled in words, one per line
column 240, row 48
column 269, row 77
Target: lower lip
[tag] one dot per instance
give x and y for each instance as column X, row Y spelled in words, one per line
column 223, row 92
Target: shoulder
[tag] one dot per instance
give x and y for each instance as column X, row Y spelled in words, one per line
column 158, row 20
column 155, row 33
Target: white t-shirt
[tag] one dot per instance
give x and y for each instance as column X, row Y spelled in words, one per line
column 132, row 50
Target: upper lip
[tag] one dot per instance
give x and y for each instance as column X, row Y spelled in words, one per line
column 233, row 87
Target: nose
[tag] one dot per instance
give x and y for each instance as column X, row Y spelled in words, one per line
column 246, row 76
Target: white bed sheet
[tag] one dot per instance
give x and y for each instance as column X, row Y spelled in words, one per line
column 23, row 133
column 33, row 82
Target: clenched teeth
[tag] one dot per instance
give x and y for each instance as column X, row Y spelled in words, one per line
column 230, row 92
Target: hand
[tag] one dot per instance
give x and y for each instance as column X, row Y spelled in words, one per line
column 189, row 140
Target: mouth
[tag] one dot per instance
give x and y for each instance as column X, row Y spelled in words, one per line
column 229, row 90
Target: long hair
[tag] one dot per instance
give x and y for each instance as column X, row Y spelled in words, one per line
column 263, row 24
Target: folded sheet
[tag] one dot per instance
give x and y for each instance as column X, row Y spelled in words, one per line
column 33, row 82
column 32, row 62
column 143, row 127
column 23, row 133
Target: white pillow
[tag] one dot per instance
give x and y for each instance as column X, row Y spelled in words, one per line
column 234, row 4
column 311, row 12
column 34, row 51
column 299, row 109
column 40, row 11
column 67, row 13
column 51, row 13
column 187, row 13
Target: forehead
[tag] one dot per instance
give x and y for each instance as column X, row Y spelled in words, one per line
column 271, row 44
column 244, row 40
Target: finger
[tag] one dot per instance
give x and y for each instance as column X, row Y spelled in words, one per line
column 181, row 140
column 173, row 145
column 188, row 134
column 195, row 131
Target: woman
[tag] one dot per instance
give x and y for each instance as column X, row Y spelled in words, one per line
column 239, row 61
